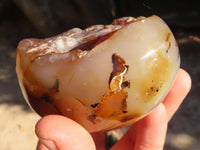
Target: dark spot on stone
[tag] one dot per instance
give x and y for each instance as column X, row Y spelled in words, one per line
column 124, row 111
column 58, row 110
column 92, row 118
column 94, row 105
column 56, row 85
column 126, row 84
column 46, row 99
column 168, row 48
column 154, row 89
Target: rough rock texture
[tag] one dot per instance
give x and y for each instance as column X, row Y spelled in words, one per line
column 17, row 120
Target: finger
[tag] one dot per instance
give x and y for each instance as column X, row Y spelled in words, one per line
column 151, row 130
column 178, row 92
column 60, row 133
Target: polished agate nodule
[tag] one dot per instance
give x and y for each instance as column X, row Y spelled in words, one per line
column 103, row 77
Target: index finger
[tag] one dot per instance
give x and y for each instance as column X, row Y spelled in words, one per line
column 178, row 92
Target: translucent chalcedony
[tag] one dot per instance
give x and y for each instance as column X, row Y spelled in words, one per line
column 103, row 77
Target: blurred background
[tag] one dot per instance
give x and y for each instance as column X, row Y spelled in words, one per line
column 21, row 19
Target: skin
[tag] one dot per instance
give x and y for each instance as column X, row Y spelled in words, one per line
column 60, row 133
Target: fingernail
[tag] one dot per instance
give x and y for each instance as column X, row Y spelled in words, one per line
column 49, row 144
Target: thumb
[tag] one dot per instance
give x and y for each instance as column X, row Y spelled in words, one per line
column 60, row 133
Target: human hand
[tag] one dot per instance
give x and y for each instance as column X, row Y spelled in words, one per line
column 60, row 133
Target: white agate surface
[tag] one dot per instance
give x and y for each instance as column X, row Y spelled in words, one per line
column 78, row 86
